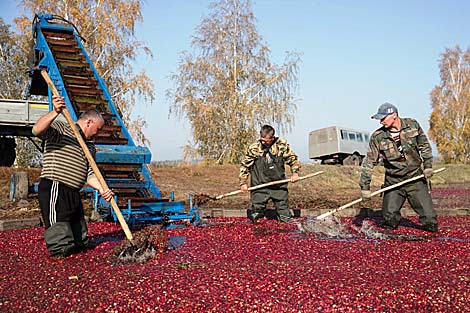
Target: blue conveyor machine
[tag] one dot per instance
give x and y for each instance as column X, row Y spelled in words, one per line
column 59, row 48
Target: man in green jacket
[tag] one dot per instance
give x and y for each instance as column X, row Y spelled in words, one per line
column 264, row 162
column 406, row 153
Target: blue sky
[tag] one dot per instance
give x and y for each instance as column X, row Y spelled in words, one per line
column 356, row 55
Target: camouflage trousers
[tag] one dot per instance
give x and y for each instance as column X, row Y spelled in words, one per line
column 280, row 198
column 417, row 194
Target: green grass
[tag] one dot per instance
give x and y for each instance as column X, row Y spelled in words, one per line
column 454, row 173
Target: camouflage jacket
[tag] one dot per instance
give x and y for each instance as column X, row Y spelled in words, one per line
column 280, row 149
column 416, row 153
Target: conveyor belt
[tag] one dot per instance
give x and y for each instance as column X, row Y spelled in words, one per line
column 84, row 93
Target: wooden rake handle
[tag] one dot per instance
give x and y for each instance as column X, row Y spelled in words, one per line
column 88, row 155
column 277, row 182
column 319, row 217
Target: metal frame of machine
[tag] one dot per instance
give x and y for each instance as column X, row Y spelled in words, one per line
column 124, row 165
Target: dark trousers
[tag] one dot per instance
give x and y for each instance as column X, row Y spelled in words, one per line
column 63, row 216
column 280, row 197
column 417, row 194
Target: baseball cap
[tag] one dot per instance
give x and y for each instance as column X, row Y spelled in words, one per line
column 384, row 110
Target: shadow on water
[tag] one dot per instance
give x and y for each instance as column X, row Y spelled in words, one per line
column 368, row 214
column 96, row 240
column 117, row 236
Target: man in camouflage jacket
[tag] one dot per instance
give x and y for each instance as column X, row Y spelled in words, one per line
column 406, row 153
column 264, row 162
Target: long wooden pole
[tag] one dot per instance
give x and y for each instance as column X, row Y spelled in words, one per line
column 277, row 182
column 374, row 193
column 91, row 161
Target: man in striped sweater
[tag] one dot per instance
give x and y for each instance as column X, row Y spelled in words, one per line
column 65, row 171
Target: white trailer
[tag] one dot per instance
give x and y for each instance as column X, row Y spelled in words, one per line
column 17, row 118
column 338, row 145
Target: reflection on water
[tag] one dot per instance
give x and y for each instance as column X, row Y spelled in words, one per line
column 176, row 241
column 453, row 239
column 331, row 228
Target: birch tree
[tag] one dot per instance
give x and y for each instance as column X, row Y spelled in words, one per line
column 13, row 81
column 228, row 86
column 450, row 100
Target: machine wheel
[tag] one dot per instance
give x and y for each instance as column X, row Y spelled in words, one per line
column 328, row 161
column 8, row 148
column 19, row 186
column 354, row 159
column 297, row 212
column 105, row 213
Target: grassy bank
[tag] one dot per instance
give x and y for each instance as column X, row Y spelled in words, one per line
column 336, row 176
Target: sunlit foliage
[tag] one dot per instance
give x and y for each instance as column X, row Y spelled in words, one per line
column 450, row 117
column 12, row 61
column 228, row 86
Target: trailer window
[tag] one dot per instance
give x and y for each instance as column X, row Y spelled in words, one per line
column 359, row 137
column 352, row 136
column 366, row 137
column 344, row 135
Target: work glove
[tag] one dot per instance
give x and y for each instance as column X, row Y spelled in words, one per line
column 428, row 172
column 365, row 195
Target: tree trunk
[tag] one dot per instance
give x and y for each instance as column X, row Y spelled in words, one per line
column 19, row 186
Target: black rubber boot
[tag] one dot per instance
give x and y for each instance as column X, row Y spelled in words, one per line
column 254, row 216
column 390, row 226
column 59, row 240
column 432, row 228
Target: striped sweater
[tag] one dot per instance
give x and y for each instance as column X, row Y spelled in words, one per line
column 64, row 159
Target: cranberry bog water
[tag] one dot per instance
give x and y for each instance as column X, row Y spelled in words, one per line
column 346, row 264
column 228, row 264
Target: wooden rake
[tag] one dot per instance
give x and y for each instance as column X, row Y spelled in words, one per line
column 322, row 216
column 277, row 182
